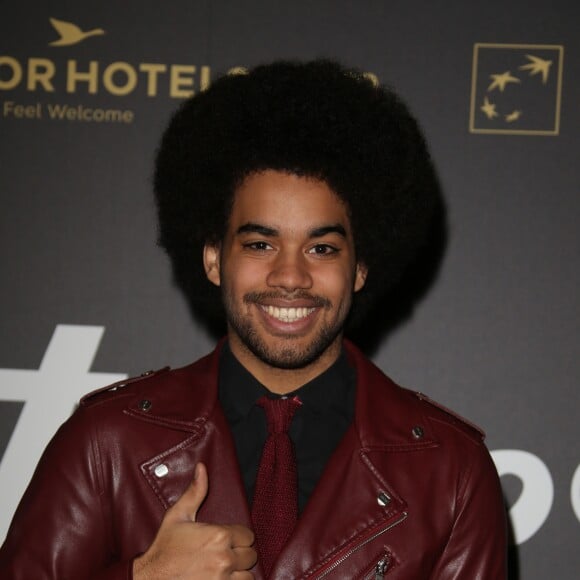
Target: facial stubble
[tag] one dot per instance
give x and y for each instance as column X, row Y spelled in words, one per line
column 292, row 356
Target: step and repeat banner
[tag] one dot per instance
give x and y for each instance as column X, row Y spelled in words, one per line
column 86, row 296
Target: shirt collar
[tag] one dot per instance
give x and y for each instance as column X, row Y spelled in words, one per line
column 333, row 390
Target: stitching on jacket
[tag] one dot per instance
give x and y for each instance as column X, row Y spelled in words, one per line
column 190, row 426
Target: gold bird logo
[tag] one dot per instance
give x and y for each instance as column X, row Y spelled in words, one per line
column 70, row 33
column 501, row 80
column 489, row 109
column 538, row 65
column 516, row 89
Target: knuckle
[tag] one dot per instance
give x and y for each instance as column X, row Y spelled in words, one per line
column 222, row 535
column 224, row 561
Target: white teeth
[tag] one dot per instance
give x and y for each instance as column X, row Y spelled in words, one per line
column 287, row 314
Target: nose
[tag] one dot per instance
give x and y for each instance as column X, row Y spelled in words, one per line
column 290, row 272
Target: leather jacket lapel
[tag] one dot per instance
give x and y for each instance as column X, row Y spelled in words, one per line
column 170, row 472
column 331, row 528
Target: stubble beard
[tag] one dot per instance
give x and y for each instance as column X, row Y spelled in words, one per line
column 286, row 358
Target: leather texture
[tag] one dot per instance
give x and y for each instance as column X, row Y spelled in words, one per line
column 411, row 488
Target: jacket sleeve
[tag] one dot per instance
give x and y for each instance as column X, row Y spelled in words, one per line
column 61, row 529
column 477, row 545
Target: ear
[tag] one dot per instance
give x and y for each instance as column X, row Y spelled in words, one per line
column 360, row 276
column 211, row 263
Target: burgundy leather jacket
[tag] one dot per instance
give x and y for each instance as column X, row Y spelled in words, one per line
column 410, row 493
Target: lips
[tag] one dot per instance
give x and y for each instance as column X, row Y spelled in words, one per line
column 296, row 300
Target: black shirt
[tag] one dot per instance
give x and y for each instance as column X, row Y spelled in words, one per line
column 317, row 427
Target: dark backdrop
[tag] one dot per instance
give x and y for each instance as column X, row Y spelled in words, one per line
column 86, row 296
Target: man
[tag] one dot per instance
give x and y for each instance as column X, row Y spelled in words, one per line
column 299, row 194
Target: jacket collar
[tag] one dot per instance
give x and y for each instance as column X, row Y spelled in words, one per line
column 386, row 416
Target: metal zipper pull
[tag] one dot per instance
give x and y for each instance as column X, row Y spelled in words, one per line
column 381, row 568
column 333, row 565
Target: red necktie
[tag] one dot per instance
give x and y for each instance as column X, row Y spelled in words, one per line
column 275, row 505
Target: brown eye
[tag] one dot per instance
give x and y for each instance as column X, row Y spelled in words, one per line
column 258, row 246
column 323, row 250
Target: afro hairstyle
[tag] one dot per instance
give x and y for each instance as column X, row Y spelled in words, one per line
column 316, row 119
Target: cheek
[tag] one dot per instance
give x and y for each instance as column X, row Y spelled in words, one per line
column 337, row 284
column 241, row 277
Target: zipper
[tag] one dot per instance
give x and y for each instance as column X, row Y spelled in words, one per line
column 357, row 548
column 381, row 568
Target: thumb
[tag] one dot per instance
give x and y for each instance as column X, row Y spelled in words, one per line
column 188, row 504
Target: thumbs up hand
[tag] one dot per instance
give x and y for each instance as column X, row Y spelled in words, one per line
column 184, row 549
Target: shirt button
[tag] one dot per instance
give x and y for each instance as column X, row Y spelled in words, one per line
column 161, row 470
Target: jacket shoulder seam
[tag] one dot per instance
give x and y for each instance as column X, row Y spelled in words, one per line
column 445, row 415
column 118, row 389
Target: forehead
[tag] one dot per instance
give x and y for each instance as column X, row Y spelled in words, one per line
column 287, row 201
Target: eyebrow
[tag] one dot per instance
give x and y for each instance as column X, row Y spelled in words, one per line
column 254, row 228
column 330, row 229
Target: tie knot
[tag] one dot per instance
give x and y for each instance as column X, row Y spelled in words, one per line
column 279, row 412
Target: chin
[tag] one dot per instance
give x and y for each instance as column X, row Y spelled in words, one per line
column 289, row 357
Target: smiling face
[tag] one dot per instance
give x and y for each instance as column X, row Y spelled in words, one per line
column 287, row 269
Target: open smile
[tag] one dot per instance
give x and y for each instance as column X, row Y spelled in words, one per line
column 287, row 315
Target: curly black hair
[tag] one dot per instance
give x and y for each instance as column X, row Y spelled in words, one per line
column 316, row 119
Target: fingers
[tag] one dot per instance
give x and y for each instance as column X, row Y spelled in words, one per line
column 242, row 537
column 185, row 548
column 242, row 576
column 245, row 558
column 188, row 504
